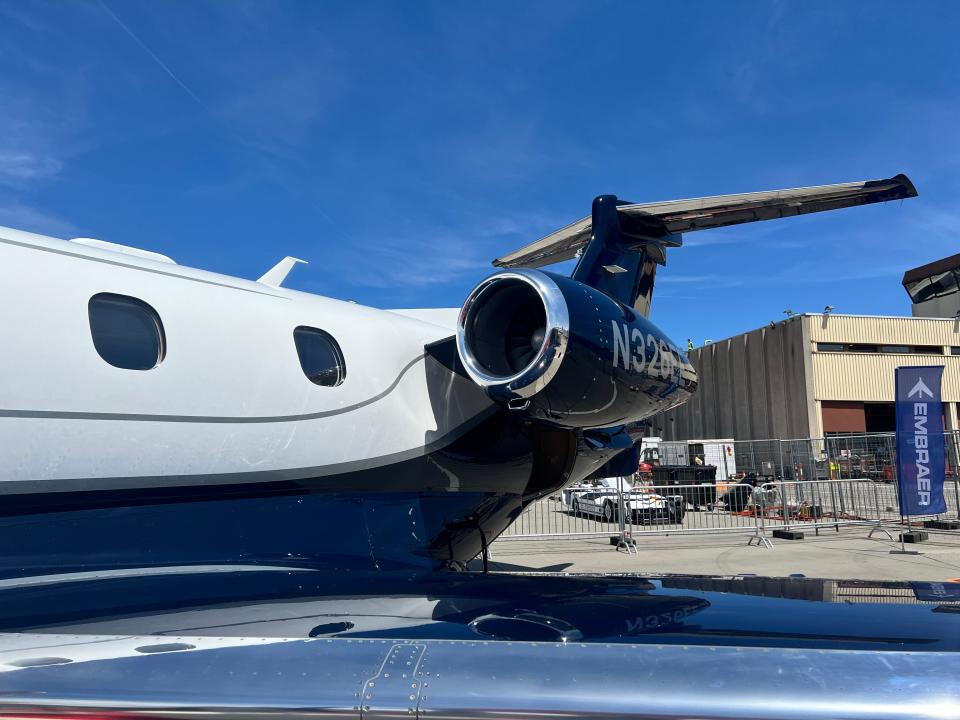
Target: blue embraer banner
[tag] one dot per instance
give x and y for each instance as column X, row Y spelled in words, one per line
column 920, row 454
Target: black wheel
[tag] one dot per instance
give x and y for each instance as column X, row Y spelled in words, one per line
column 677, row 511
column 609, row 514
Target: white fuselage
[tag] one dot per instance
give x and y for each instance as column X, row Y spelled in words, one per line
column 228, row 403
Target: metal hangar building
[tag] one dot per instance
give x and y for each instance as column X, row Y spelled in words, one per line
column 815, row 375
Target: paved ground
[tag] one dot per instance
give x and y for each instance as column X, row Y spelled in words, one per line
column 847, row 554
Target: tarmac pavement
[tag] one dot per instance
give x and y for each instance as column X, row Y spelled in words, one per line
column 845, row 554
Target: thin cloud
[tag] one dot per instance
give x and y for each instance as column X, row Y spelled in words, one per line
column 785, row 244
column 817, row 276
column 23, row 165
column 34, row 140
column 671, row 296
column 708, row 240
column 448, row 253
column 397, row 268
column 667, row 279
column 427, row 259
column 32, row 219
column 940, row 222
column 777, row 11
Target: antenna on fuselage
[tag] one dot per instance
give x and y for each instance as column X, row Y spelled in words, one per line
column 275, row 276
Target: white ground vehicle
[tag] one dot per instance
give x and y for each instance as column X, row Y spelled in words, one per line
column 718, row 452
column 603, row 498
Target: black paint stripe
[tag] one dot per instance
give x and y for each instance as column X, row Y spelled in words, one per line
column 342, row 476
column 410, row 476
column 138, row 417
column 54, row 502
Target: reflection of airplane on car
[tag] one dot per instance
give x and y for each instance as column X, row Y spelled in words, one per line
column 261, row 642
column 292, row 602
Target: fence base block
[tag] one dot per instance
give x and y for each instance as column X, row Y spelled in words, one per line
column 788, row 534
column 942, row 524
column 914, row 536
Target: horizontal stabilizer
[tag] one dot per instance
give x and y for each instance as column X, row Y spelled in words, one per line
column 679, row 216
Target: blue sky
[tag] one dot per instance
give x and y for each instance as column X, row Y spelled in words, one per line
column 399, row 147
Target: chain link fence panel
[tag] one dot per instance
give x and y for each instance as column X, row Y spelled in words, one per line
column 811, row 483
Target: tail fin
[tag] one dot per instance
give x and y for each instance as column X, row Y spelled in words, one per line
column 623, row 242
column 622, row 255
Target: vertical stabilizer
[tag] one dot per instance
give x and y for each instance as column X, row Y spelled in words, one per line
column 622, row 255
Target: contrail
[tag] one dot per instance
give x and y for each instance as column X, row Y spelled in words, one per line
column 152, row 54
column 193, row 96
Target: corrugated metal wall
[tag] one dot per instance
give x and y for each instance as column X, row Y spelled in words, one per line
column 869, row 376
column 769, row 383
column 884, row 330
column 751, row 387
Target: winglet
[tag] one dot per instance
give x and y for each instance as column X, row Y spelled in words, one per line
column 275, row 276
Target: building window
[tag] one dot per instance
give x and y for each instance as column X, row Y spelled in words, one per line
column 933, row 287
column 890, row 349
column 126, row 332
column 320, row 356
column 955, row 350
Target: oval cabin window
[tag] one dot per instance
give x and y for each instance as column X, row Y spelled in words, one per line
column 127, row 332
column 320, row 356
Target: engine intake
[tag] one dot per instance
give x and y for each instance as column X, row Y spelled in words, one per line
column 512, row 333
column 566, row 352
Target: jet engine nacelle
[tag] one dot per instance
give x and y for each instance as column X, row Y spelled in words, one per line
column 567, row 353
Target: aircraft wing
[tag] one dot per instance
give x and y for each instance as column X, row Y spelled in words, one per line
column 678, row 216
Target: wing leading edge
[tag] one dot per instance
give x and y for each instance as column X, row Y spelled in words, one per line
column 678, row 216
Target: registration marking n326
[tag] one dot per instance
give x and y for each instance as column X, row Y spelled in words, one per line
column 630, row 349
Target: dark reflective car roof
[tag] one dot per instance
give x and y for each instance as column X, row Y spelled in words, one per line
column 276, row 601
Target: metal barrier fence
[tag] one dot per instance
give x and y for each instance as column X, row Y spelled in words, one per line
column 742, row 508
column 725, row 508
column 845, row 457
column 815, row 504
column 647, row 509
column 835, row 457
column 791, row 484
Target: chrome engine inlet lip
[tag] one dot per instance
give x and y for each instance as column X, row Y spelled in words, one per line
column 538, row 372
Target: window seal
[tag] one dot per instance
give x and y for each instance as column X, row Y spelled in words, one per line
column 335, row 348
column 131, row 302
